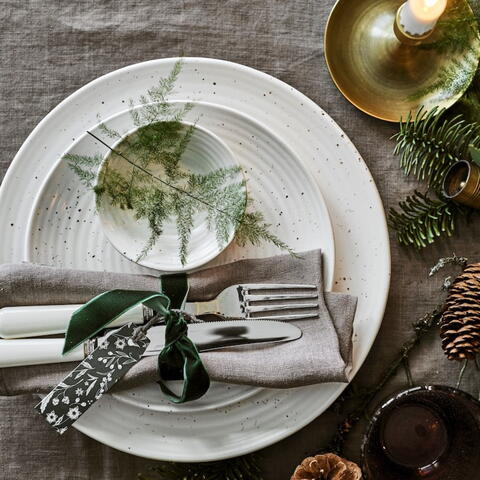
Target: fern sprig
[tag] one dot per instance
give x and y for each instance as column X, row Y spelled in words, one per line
column 430, row 143
column 85, row 167
column 143, row 174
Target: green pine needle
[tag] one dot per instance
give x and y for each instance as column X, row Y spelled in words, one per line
column 420, row 220
column 474, row 154
column 456, row 34
column 430, row 143
column 458, row 28
column 241, row 468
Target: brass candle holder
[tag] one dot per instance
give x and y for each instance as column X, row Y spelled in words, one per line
column 462, row 184
column 386, row 72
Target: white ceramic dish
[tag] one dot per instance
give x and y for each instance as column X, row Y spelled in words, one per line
column 62, row 202
column 257, row 149
column 362, row 264
column 204, row 153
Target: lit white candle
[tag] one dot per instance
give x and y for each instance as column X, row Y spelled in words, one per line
column 418, row 17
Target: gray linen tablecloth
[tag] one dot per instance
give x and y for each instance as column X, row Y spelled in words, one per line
column 51, row 48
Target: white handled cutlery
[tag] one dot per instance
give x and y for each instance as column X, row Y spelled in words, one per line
column 281, row 302
column 206, row 336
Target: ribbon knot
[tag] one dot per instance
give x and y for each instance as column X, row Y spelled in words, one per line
column 176, row 328
column 179, row 359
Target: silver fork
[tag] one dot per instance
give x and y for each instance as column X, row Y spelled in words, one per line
column 260, row 301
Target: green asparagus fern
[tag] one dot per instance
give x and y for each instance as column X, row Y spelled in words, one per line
column 144, row 174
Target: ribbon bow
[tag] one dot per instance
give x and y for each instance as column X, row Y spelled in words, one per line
column 179, row 359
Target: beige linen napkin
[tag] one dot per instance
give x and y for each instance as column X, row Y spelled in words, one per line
column 323, row 354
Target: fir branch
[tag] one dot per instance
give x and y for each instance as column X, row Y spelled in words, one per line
column 429, row 144
column 451, row 80
column 456, row 34
column 241, row 468
column 420, row 220
column 469, row 103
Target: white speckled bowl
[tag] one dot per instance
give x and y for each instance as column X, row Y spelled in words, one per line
column 205, row 153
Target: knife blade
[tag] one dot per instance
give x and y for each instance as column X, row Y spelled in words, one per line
column 207, row 336
column 228, row 333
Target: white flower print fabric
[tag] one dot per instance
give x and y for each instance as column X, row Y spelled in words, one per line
column 84, row 385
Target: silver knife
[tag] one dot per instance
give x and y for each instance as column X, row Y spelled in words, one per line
column 206, row 336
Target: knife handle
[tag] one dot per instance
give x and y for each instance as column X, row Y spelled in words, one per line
column 17, row 353
column 43, row 320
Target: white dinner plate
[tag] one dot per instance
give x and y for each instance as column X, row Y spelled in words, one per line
column 362, row 261
column 278, row 183
column 74, row 236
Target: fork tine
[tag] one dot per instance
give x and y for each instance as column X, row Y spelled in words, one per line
column 286, row 318
column 275, row 286
column 273, row 308
column 266, row 298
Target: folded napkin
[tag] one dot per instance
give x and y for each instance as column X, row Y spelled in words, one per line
column 323, row 354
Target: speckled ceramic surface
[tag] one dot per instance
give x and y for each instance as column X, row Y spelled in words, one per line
column 362, row 265
column 205, row 153
column 281, row 188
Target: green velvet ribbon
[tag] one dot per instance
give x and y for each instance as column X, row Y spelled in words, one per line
column 179, row 357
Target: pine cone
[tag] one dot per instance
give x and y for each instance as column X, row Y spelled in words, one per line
column 460, row 323
column 327, row 467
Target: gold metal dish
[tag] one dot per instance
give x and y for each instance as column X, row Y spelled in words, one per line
column 384, row 77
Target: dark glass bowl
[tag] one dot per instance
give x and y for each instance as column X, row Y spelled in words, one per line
column 428, row 432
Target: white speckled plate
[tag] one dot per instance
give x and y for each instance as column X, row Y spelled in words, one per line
column 205, row 153
column 362, row 261
column 64, row 229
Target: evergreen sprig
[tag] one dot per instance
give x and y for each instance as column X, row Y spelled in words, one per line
column 456, row 35
column 421, row 219
column 430, row 143
column 144, row 174
column 469, row 104
column 457, row 29
column 241, row 468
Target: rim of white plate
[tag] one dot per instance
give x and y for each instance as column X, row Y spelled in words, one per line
column 328, row 264
column 383, row 292
column 109, row 234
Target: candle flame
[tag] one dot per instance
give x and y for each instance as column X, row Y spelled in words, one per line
column 427, row 10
